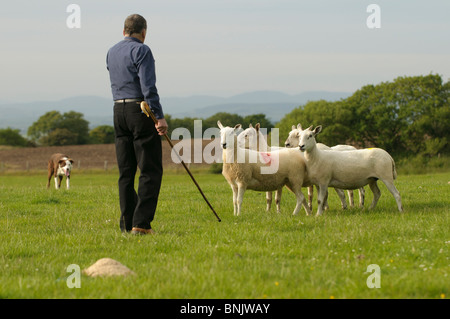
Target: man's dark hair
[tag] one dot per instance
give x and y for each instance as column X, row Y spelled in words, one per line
column 134, row 23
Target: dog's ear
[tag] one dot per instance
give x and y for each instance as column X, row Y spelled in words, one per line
column 62, row 162
column 71, row 160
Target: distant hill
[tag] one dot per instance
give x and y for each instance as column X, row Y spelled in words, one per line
column 98, row 110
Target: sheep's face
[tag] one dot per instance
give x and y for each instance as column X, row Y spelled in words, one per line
column 293, row 138
column 226, row 137
column 307, row 138
column 227, row 134
column 248, row 139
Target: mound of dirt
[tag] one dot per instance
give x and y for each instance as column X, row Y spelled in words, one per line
column 106, row 267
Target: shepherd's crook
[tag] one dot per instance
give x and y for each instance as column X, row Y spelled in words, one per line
column 146, row 109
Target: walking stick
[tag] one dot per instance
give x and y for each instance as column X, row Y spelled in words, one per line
column 146, row 109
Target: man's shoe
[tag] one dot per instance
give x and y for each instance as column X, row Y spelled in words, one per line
column 142, row 231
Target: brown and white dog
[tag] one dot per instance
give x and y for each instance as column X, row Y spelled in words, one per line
column 59, row 165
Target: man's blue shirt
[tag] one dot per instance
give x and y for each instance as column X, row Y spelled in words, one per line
column 132, row 73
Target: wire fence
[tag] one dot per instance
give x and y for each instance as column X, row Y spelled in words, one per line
column 78, row 164
column 103, row 156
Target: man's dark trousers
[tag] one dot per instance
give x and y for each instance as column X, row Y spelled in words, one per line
column 137, row 145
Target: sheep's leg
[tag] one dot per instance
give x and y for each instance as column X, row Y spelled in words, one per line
column 376, row 193
column 325, row 202
column 394, row 191
column 310, row 196
column 240, row 197
column 351, row 200
column 362, row 195
column 341, row 195
column 235, row 192
column 301, row 200
column 323, row 190
column 268, row 200
column 278, row 199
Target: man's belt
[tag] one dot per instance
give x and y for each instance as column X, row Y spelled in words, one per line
column 128, row 100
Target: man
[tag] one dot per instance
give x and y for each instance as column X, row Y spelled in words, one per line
column 131, row 69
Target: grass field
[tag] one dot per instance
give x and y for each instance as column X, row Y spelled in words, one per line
column 256, row 255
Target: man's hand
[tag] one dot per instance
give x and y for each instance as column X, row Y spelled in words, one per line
column 161, row 127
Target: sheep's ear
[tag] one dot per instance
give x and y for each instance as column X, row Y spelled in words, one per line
column 317, row 130
column 237, row 127
column 219, row 125
column 309, row 128
column 250, row 126
column 299, row 127
column 257, row 126
column 293, row 127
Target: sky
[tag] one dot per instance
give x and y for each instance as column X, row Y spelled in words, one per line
column 222, row 47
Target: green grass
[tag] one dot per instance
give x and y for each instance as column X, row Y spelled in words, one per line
column 255, row 255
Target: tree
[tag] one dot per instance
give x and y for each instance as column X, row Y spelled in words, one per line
column 44, row 125
column 425, row 100
column 403, row 115
column 257, row 118
column 12, row 137
column 409, row 115
column 186, row 122
column 334, row 117
column 377, row 117
column 59, row 137
column 73, row 122
column 103, row 134
column 227, row 119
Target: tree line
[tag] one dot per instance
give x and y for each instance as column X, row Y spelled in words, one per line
column 70, row 128
column 409, row 115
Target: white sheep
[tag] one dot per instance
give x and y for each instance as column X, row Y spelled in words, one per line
column 252, row 138
column 293, row 141
column 247, row 169
column 348, row 170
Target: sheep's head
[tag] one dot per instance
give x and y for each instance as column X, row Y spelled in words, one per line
column 307, row 138
column 294, row 136
column 249, row 137
column 227, row 134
